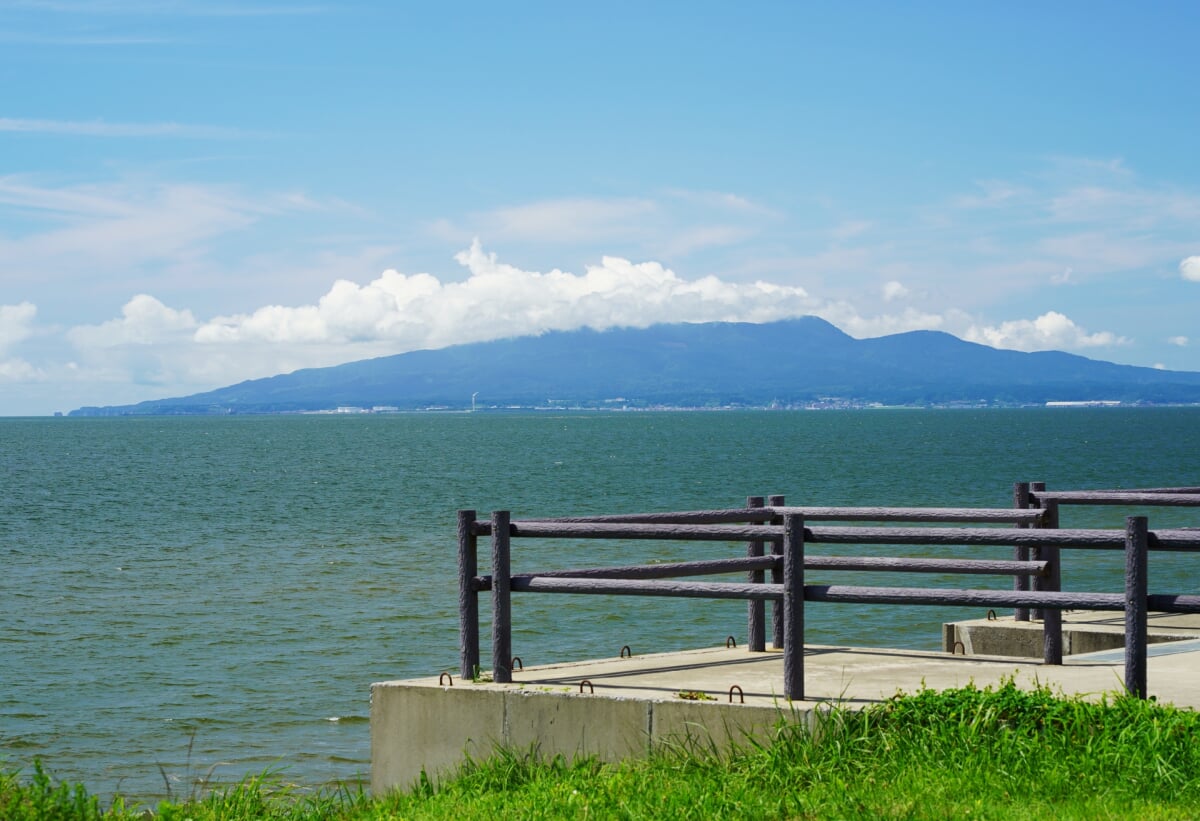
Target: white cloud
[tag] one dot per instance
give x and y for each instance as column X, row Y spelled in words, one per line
column 1050, row 331
column 1073, row 222
column 1138, row 207
column 995, row 193
column 1189, row 269
column 18, row 370
column 156, row 8
column 1179, row 341
column 100, row 128
column 144, row 321
column 1064, row 278
column 74, row 40
column 500, row 300
column 130, row 235
column 846, row 316
column 841, row 261
column 119, row 226
column 568, row 220
column 16, row 324
column 705, row 236
column 894, row 290
column 152, row 344
column 720, row 200
column 1100, row 252
column 674, row 222
column 850, row 229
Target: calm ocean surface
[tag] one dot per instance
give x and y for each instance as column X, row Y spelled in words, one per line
column 196, row 595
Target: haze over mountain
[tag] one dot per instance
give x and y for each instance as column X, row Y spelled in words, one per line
column 793, row 362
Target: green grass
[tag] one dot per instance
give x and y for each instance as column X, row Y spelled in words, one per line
column 996, row 753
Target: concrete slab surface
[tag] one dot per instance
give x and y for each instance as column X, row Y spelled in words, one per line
column 856, row 675
column 620, row 707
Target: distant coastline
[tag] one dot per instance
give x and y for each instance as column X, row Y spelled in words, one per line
column 847, row 405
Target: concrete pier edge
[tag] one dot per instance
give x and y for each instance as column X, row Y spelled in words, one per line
column 633, row 704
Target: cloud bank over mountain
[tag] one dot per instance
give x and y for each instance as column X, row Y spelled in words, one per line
column 170, row 349
column 497, row 299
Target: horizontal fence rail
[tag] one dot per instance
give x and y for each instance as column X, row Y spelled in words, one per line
column 1099, row 539
column 813, row 514
column 1172, row 490
column 667, row 570
column 1134, row 498
column 1032, row 531
column 841, row 593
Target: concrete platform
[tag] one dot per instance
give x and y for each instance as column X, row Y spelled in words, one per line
column 1083, row 632
column 635, row 703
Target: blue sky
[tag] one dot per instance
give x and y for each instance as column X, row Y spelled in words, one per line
column 195, row 193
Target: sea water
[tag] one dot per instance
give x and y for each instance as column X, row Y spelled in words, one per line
column 186, row 598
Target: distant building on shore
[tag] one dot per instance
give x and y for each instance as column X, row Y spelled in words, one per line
column 1087, row 403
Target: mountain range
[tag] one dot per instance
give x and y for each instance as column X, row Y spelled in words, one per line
column 791, row 363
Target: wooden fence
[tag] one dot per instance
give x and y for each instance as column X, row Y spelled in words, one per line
column 1036, row 539
column 1035, row 495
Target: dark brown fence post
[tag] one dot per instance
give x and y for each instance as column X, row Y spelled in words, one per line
column 501, row 598
column 1052, row 643
column 1021, row 553
column 793, row 607
column 776, row 578
column 1036, row 553
column 756, row 638
column 1137, row 542
column 468, row 596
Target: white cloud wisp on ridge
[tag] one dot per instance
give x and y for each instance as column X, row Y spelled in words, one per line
column 500, row 300
column 1050, row 331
